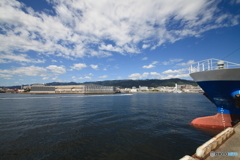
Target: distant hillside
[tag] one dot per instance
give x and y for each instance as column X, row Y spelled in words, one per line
column 11, row 87
column 125, row 83
column 131, row 83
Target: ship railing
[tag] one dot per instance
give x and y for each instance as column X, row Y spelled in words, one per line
column 211, row 64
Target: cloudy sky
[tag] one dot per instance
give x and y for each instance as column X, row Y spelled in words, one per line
column 89, row 40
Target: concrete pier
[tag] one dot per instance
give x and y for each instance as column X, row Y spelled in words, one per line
column 230, row 145
column 224, row 146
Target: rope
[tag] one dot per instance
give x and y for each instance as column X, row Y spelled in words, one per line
column 231, row 53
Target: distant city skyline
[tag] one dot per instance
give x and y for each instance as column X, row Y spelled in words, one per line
column 85, row 40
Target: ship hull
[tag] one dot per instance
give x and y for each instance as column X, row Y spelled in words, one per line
column 221, row 87
column 218, row 121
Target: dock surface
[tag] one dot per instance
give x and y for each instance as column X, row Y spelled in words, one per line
column 231, row 145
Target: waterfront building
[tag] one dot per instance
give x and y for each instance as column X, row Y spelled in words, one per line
column 143, row 88
column 42, row 89
column 92, row 89
column 69, row 89
column 134, row 90
column 26, row 87
column 165, row 89
column 125, row 90
column 176, row 89
column 20, row 90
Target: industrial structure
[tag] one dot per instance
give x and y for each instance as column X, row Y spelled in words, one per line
column 73, row 89
column 89, row 89
column 41, row 88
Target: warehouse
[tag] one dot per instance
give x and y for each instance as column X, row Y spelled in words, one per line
column 69, row 89
column 40, row 88
column 97, row 89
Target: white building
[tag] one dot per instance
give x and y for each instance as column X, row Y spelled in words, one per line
column 134, row 89
column 165, row 89
column 143, row 88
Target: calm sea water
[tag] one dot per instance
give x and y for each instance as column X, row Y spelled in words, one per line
column 107, row 127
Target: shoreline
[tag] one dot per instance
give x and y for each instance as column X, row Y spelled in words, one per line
column 104, row 93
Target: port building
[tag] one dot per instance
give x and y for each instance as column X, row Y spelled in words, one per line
column 69, row 89
column 73, row 89
column 88, row 89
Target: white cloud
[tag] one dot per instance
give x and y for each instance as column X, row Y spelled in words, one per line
column 79, row 66
column 87, row 28
column 57, row 69
column 35, row 71
column 94, row 66
column 174, row 71
column 154, row 74
column 45, row 78
column 28, row 71
column 144, row 46
column 54, row 78
column 171, row 61
column 110, row 59
column 5, row 76
column 150, row 65
column 90, row 74
column 179, row 73
column 135, row 76
column 187, row 63
column 4, row 61
column 10, row 57
column 155, row 62
column 175, row 76
column 86, row 77
column 145, row 74
column 138, row 75
column 99, row 54
column 110, row 47
column 144, row 58
column 116, row 66
column 158, row 75
column 104, row 76
column 234, row 2
column 221, row 18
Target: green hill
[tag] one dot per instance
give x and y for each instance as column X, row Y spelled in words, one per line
column 131, row 83
column 125, row 83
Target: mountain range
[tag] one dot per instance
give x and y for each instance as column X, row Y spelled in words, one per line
column 126, row 83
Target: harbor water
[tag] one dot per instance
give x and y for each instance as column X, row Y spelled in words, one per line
column 115, row 126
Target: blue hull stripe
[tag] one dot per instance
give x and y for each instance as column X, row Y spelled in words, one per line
column 221, row 93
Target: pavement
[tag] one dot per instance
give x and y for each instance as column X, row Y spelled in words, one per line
column 230, row 145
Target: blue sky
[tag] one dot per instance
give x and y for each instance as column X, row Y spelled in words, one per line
column 85, row 40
